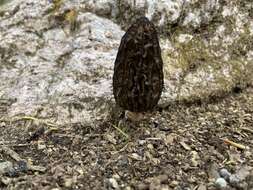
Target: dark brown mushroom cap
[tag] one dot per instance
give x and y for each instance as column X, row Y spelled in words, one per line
column 138, row 68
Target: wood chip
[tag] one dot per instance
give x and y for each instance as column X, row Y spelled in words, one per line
column 6, row 150
column 185, row 146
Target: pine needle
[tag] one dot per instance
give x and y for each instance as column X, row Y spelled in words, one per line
column 38, row 120
column 120, row 131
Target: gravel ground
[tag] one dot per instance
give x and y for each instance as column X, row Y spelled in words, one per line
column 203, row 145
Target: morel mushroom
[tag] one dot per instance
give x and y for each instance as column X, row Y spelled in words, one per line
column 138, row 68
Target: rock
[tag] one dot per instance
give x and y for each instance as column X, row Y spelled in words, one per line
column 16, row 169
column 195, row 158
column 2, row 124
column 150, row 147
column 114, row 183
column 202, row 187
column 5, row 167
column 174, row 183
column 244, row 172
column 67, row 76
column 111, row 138
column 221, row 183
column 105, row 8
column 80, row 64
column 68, row 182
column 41, row 145
column 237, row 180
column 141, row 142
column 159, row 182
column 135, row 156
column 162, row 12
column 21, row 166
column 225, row 173
column 234, row 180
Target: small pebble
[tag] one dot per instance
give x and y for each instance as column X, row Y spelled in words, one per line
column 221, row 183
column 111, row 138
column 135, row 156
column 12, row 173
column 123, row 162
column 234, row 180
column 174, row 183
column 143, row 186
column 162, row 179
column 116, row 176
column 141, row 142
column 6, row 14
column 21, row 166
column 68, row 182
column 2, row 124
column 225, row 173
column 202, row 187
column 150, row 146
column 41, row 145
column 5, row 167
column 114, row 183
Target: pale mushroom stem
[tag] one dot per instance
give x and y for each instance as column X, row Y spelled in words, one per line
column 134, row 116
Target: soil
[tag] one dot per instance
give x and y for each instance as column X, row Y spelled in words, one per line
column 181, row 147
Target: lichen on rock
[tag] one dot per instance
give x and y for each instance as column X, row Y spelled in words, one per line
column 52, row 70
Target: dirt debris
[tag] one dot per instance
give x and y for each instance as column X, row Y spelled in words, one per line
column 190, row 154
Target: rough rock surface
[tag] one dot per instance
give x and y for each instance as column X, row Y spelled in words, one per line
column 58, row 66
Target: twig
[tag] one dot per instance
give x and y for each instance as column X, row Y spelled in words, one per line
column 153, row 139
column 36, row 168
column 121, row 150
column 15, row 145
column 240, row 146
column 6, row 142
column 247, row 129
column 50, row 130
